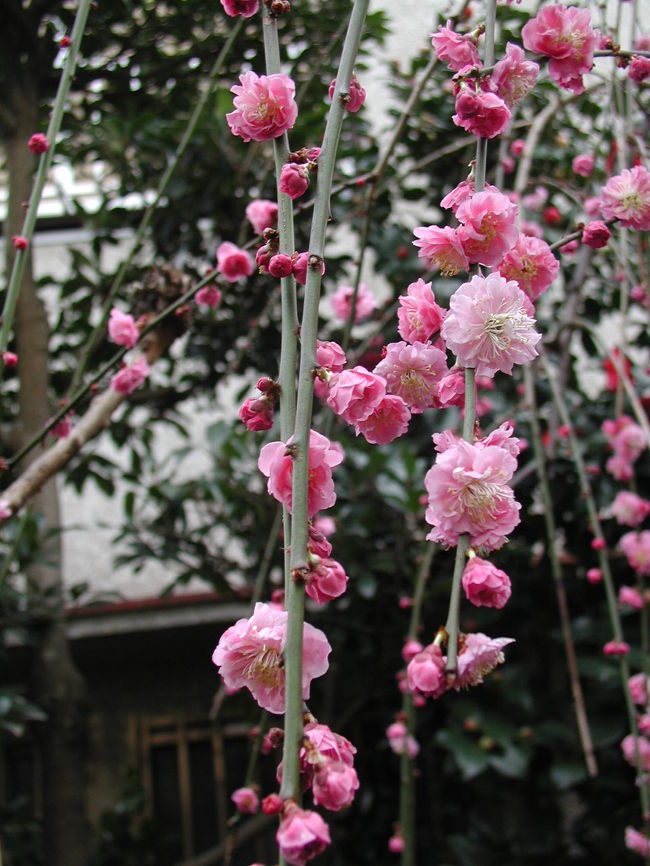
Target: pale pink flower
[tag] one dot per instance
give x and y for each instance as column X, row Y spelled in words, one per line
column 486, row 585
column 629, row 749
column 592, row 206
column 566, row 36
column 357, row 95
column 294, row 180
column 5, row 510
column 487, row 326
column 480, row 112
column 400, row 741
column 636, row 547
column 388, row 421
column 469, row 493
column 275, row 461
column 628, row 508
column 302, row 835
column 630, row 597
column 245, row 8
column 488, row 227
column 625, row 438
column 637, row 842
column 441, row 248
column 513, row 76
column 208, row 296
column 426, row 673
column 264, row 106
column 532, row 265
column 122, row 329
column 331, row 357
column 583, row 164
column 639, row 68
column 478, row 656
column 246, row 800
column 325, row 525
column 620, row 468
column 410, row 649
column 341, row 302
column 354, row 394
column 38, row 143
column 517, row 147
column 419, row 316
column 639, row 686
column 461, row 193
column 596, row 235
column 413, row 373
column 457, row 50
column 233, row 262
column 334, row 785
column 396, row 843
column 128, row 379
column 249, row 654
column 626, row 197
column 642, row 42
column 327, row 580
column 262, row 214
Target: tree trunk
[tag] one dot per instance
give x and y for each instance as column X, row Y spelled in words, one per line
column 58, row 686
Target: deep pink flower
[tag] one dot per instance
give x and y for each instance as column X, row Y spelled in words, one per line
column 300, row 261
column 487, row 326
column 277, row 464
column 626, row 197
column 480, row 112
column 639, row 68
column 357, row 95
column 327, row 744
column 246, row 800
column 19, row 242
column 532, row 265
column 629, row 749
column 488, row 228
column 264, row 106
column 637, row 842
column 294, row 179
column 630, row 597
column 636, row 547
column 245, row 8
column 583, row 164
column 327, row 580
column 513, row 76
column 517, row 147
column 596, row 234
column 426, row 673
column 233, row 262
column 486, row 585
column 128, row 379
column 639, row 686
column 469, row 493
column 38, row 143
column 341, row 302
column 566, row 36
column 302, row 835
column 616, row 648
column 457, row 50
column 208, row 296
column 262, row 214
column 122, row 329
column 628, row 508
column 419, row 316
column 478, row 656
column 441, row 248
column 257, row 413
column 594, row 575
column 318, row 545
column 396, row 843
column 62, row 428
column 334, row 785
column 354, row 394
column 388, row 421
column 450, row 390
column 9, row 359
column 249, row 654
column 412, row 372
column 280, row 266
column 410, row 649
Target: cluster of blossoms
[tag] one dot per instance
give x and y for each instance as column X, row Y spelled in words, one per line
column 565, row 35
column 627, row 441
column 636, row 751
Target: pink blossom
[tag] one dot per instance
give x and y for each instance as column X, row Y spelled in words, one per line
column 441, row 248
column 302, row 835
column 264, row 106
column 592, row 206
column 616, row 648
column 334, row 785
column 208, row 296
column 486, row 585
column 644, row 724
column 341, row 302
column 626, row 197
column 388, row 421
column 294, row 180
column 457, row 50
column 354, row 394
column 396, row 843
column 328, row 744
column 639, row 68
column 532, row 265
column 262, row 214
column 410, row 649
column 636, row 547
column 625, row 438
column 565, row 35
column 488, row 228
column 594, row 575
column 620, row 468
column 38, row 143
column 514, row 76
column 487, row 326
column 596, row 234
column 629, row 748
column 639, row 686
column 19, row 242
column 249, row 654
column 9, row 359
column 233, row 262
column 450, row 390
column 517, row 147
column 357, row 95
column 478, row 656
column 327, row 581
column 245, row 8
column 583, row 164
column 480, row 112
column 413, row 373
column 637, row 842
column 257, row 414
column 426, row 673
column 5, row 510
column 628, row 508
column 461, row 194
column 570, row 248
column 331, row 358
column 325, row 525
column 630, row 597
column 469, row 493
column 246, row 800
column 275, row 461
column 419, row 315
column 317, row 544
column 280, row 266
column 128, row 379
column 122, row 329
column 401, row 741
column 642, row 42
column 62, row 428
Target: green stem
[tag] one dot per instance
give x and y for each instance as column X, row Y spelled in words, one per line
column 148, row 213
column 21, row 256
